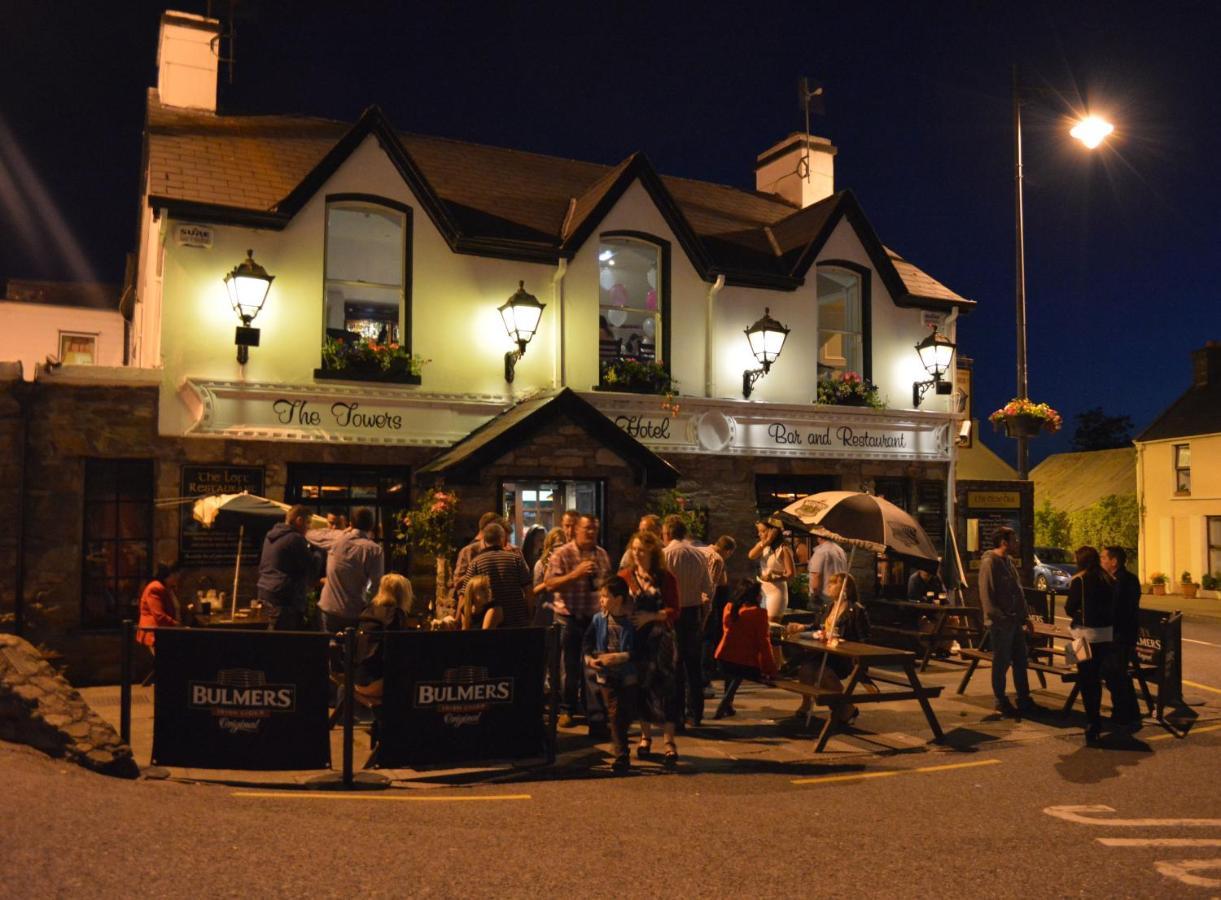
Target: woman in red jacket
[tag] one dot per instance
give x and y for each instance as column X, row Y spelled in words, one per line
column 158, row 603
column 745, row 650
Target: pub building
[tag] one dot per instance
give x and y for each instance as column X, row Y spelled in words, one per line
column 342, row 313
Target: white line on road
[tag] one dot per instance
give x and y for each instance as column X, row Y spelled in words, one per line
column 1074, row 814
column 327, row 795
column 1202, row 643
column 1159, row 842
column 1182, row 870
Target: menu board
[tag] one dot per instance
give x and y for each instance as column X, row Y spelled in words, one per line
column 199, row 546
column 930, row 511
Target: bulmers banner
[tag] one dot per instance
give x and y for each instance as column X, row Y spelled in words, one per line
column 241, row 700
column 463, row 695
column 1159, row 647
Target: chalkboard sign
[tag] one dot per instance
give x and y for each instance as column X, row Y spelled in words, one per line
column 199, row 546
column 930, row 511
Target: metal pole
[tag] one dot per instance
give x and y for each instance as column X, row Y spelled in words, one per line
column 128, row 639
column 1020, row 267
column 349, row 702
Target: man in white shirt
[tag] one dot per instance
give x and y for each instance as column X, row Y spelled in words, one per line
column 354, row 567
column 690, row 569
column 827, row 559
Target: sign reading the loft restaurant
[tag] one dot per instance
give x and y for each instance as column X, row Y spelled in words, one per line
column 829, row 432
column 200, row 546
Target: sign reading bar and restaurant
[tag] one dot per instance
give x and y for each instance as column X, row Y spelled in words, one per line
column 200, row 546
column 241, row 700
column 463, row 696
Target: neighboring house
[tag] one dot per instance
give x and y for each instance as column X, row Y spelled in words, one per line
column 1074, row 481
column 68, row 323
column 376, row 236
column 978, row 462
column 1179, row 478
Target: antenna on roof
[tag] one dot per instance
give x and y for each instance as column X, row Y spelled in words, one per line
column 228, row 33
column 810, row 96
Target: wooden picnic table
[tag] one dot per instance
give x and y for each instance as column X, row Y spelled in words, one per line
column 261, row 621
column 864, row 657
column 968, row 634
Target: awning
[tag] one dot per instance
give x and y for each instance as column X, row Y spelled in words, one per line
column 463, row 462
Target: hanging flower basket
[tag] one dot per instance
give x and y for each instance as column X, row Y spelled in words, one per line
column 1022, row 418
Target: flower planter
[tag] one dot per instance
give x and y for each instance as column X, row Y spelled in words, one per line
column 380, row 376
column 1159, row 590
column 622, row 388
column 1023, row 426
column 1189, row 590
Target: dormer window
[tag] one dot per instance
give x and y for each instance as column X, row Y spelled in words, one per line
column 632, row 280
column 842, row 331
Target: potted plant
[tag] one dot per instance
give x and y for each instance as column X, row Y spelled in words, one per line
column 1188, row 586
column 1158, row 580
column 428, row 528
column 848, row 389
column 1024, row 418
column 1209, row 585
column 366, row 360
column 635, row 377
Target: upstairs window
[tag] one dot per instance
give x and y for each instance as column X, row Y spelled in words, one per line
column 367, row 272
column 632, row 279
column 1182, row 468
column 77, row 349
column 842, row 334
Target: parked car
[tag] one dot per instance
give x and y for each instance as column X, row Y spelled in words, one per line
column 1053, row 567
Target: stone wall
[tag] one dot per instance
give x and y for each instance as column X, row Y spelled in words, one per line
column 11, row 387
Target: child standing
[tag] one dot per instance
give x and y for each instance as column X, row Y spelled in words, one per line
column 608, row 646
column 746, row 648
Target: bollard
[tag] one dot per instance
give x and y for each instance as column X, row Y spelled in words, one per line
column 349, row 702
column 128, row 638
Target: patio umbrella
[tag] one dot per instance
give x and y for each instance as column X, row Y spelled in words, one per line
column 860, row 520
column 236, row 511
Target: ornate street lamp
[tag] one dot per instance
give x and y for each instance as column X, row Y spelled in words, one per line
column 248, row 285
column 766, row 339
column 521, row 314
column 936, row 352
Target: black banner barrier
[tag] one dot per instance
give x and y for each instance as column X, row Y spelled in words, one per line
column 460, row 696
column 1041, row 604
column 241, row 699
column 1159, row 654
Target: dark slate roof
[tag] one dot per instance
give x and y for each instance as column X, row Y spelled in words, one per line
column 88, row 294
column 1198, row 411
column 464, row 461
column 495, row 201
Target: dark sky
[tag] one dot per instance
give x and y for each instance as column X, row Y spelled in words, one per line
column 1121, row 243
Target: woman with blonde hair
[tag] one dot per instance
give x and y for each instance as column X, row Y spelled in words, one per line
column 394, row 607
column 479, row 610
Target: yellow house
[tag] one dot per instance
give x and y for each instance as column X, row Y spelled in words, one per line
column 1178, row 474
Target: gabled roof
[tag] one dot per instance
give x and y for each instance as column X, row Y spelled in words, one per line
column 1073, row 481
column 463, row 462
column 260, row 170
column 1197, row 411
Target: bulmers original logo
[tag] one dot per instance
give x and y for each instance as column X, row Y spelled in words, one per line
column 463, row 694
column 241, row 699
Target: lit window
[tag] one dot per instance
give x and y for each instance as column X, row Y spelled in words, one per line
column 630, row 300
column 1182, row 468
column 77, row 349
column 366, row 274
column 841, row 332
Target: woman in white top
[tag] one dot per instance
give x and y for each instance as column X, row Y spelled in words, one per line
column 775, row 567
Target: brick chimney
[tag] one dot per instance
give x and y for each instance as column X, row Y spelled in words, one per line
column 781, row 169
column 187, row 57
column 1206, row 364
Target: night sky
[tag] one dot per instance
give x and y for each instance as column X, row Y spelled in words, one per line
column 1121, row 243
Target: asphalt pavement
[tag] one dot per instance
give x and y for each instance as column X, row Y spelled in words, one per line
column 1002, row 809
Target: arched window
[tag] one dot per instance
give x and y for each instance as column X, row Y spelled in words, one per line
column 843, row 321
column 367, row 271
column 633, row 280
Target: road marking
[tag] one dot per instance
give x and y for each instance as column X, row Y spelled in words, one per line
column 1203, row 643
column 1159, row 842
column 1168, row 736
column 1182, row 869
column 827, row 779
column 329, row 795
column 1074, row 814
column 1203, row 687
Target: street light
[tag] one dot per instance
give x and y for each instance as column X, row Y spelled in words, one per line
column 520, row 314
column 248, row 284
column 1091, row 131
column 766, row 338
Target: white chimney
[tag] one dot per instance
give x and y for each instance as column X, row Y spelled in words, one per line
column 781, row 169
column 187, row 57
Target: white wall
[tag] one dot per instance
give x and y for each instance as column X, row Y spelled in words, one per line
column 31, row 333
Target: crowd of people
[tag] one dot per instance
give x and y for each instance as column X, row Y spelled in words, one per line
column 642, row 640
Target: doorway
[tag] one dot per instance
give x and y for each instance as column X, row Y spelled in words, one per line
column 529, row 503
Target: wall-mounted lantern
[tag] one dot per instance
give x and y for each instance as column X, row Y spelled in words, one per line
column 520, row 313
column 248, row 285
column 766, row 339
column 936, row 352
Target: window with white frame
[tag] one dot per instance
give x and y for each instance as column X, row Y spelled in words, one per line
column 366, row 273
column 841, row 329
column 1182, row 468
column 630, row 301
column 77, row 349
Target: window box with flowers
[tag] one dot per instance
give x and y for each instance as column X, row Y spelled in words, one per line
column 366, row 360
column 848, row 389
column 634, row 377
column 1025, row 418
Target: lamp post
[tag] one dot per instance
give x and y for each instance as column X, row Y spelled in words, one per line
column 248, row 284
column 520, row 314
column 1091, row 131
column 766, row 338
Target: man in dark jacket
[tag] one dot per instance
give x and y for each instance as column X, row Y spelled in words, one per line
column 1125, row 710
column 1004, row 604
column 286, row 567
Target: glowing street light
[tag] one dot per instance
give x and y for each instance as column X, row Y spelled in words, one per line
column 1092, row 131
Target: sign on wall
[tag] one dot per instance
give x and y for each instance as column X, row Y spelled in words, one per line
column 187, row 235
column 200, row 546
column 241, row 700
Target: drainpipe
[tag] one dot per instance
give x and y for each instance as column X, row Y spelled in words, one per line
column 951, row 480
column 1142, row 540
column 709, row 338
column 559, row 374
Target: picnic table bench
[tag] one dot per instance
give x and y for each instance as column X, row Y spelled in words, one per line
column 968, row 633
column 864, row 659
